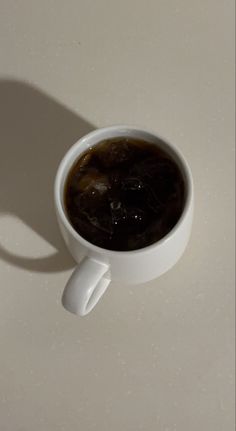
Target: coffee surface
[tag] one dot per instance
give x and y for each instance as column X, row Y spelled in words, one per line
column 124, row 194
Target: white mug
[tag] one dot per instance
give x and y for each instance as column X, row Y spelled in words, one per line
column 99, row 266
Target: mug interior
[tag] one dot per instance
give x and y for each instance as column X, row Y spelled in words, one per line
column 93, row 139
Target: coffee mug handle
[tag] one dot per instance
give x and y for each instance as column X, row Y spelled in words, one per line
column 85, row 286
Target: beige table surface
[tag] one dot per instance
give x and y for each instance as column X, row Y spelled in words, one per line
column 156, row 357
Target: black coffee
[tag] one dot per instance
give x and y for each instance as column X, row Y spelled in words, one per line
column 124, row 194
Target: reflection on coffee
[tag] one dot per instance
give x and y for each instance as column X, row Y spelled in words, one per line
column 124, row 194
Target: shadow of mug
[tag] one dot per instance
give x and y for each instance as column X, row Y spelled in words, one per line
column 35, row 133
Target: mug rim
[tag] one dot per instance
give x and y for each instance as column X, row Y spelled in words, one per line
column 64, row 165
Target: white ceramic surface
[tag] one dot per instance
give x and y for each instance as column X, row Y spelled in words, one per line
column 90, row 280
column 155, row 357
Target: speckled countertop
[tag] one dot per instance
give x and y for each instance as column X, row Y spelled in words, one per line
column 156, row 357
